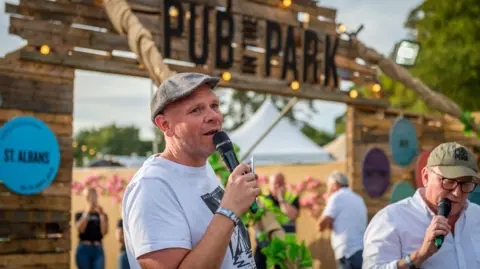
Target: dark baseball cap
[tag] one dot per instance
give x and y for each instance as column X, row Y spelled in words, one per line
column 453, row 160
column 176, row 87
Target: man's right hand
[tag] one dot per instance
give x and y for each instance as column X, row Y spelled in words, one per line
column 438, row 226
column 241, row 190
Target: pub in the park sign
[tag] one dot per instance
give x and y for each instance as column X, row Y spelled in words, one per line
column 276, row 42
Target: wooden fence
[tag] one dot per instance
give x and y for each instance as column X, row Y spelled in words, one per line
column 34, row 229
column 370, row 127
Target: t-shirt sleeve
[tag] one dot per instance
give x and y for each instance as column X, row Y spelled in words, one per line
column 154, row 218
column 332, row 207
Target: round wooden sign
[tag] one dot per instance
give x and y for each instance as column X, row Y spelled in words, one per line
column 403, row 141
column 400, row 191
column 375, row 172
column 421, row 163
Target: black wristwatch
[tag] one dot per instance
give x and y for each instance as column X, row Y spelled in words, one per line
column 410, row 262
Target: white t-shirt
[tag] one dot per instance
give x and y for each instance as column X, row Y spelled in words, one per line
column 169, row 205
column 350, row 219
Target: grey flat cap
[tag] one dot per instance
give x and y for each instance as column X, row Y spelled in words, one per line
column 176, row 87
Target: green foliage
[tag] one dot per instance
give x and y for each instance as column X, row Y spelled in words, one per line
column 449, row 59
column 320, row 137
column 287, row 252
column 111, row 140
column 468, row 120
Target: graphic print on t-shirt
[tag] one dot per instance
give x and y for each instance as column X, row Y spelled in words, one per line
column 239, row 245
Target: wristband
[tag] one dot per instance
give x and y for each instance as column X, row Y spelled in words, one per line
column 229, row 214
column 409, row 262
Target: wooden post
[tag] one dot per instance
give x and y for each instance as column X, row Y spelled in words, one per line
column 37, row 226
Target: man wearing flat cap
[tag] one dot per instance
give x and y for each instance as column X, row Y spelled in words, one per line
column 175, row 212
column 402, row 235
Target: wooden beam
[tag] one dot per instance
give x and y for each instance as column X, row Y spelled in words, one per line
column 34, row 246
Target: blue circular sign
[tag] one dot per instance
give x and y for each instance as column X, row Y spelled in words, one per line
column 403, row 141
column 375, row 172
column 400, row 191
column 30, row 155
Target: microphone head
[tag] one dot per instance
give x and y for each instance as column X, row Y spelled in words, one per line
column 222, row 142
column 444, row 207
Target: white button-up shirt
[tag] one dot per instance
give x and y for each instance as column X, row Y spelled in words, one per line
column 399, row 229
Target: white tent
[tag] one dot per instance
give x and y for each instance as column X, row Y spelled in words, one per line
column 337, row 148
column 285, row 144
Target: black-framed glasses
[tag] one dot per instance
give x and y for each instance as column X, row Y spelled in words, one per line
column 450, row 184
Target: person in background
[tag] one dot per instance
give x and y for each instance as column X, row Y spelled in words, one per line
column 92, row 226
column 346, row 215
column 402, row 235
column 277, row 188
column 122, row 258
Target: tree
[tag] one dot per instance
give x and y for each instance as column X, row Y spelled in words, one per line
column 320, row 137
column 110, row 140
column 449, row 59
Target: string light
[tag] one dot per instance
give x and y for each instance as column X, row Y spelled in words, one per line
column 376, row 87
column 342, row 28
column 74, row 144
column 295, row 85
column 173, row 12
column 353, row 93
column 226, row 76
column 84, row 148
column 91, row 151
column 44, row 49
column 286, row 3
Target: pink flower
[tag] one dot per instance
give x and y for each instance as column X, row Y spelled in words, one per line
column 308, row 179
column 300, row 187
column 313, row 184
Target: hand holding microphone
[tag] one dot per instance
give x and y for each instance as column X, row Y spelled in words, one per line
column 436, row 232
column 242, row 189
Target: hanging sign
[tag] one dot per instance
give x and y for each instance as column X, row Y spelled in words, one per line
column 375, row 172
column 30, row 155
column 421, row 163
column 403, row 141
column 400, row 191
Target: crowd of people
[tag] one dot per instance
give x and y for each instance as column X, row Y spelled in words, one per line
column 177, row 215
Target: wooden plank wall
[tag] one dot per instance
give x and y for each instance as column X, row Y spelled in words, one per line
column 34, row 229
column 369, row 127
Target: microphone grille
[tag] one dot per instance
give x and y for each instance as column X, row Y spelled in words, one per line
column 222, row 141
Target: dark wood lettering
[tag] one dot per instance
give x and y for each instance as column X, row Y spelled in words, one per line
column 273, row 28
column 310, row 58
column 202, row 59
column 330, row 66
column 169, row 31
column 249, row 38
column 224, row 41
column 249, row 64
column 289, row 57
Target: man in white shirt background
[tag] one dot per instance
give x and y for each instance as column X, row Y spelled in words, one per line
column 175, row 212
column 346, row 215
column 402, row 235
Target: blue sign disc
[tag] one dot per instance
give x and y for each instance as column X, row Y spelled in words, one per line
column 30, row 155
column 400, row 191
column 403, row 141
column 375, row 172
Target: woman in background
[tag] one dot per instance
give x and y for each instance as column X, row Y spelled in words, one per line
column 122, row 258
column 92, row 225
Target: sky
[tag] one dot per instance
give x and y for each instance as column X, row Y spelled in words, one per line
column 101, row 99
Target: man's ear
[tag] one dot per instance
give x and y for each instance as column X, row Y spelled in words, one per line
column 425, row 176
column 162, row 122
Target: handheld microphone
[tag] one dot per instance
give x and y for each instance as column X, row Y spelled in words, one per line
column 225, row 147
column 444, row 208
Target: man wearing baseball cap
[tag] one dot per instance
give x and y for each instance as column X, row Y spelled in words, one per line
column 175, row 212
column 345, row 214
column 402, row 235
